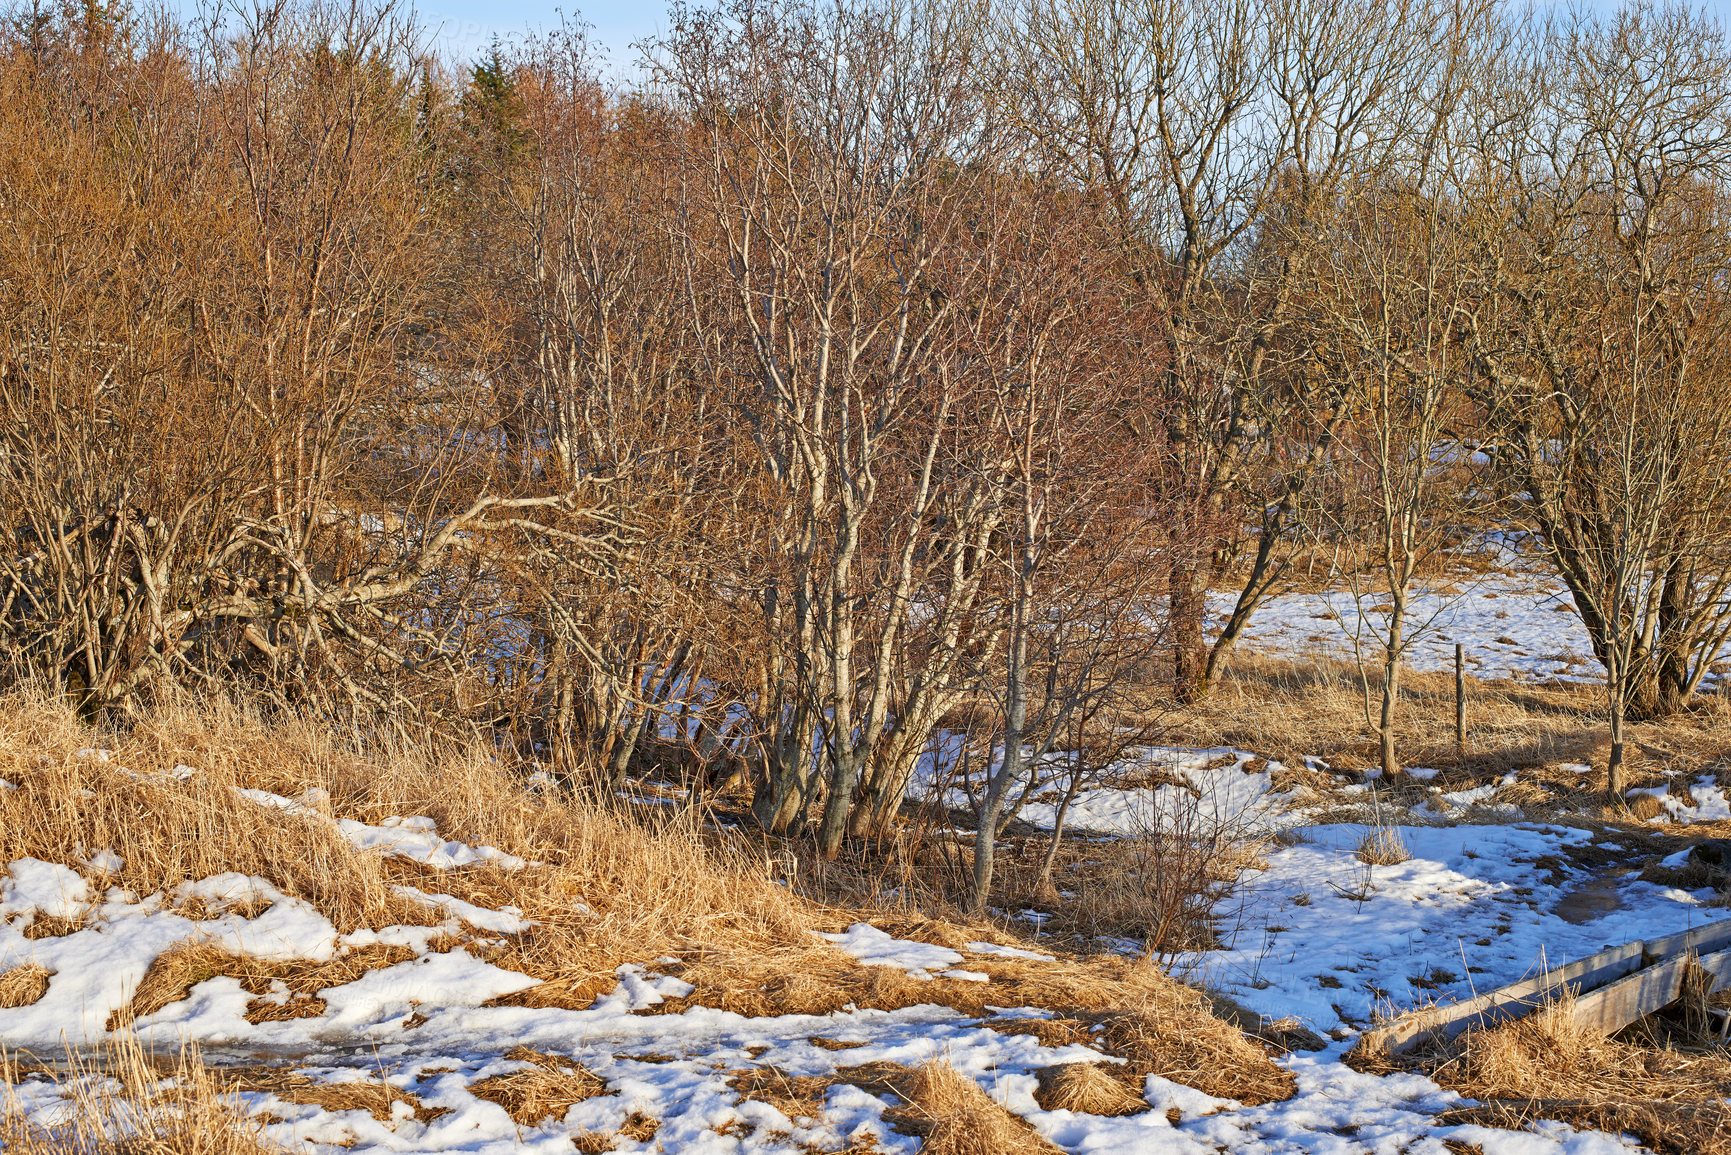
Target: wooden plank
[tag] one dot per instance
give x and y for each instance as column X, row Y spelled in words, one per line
column 1506, row 1002
column 1613, row 1007
column 1704, row 939
column 1712, row 941
column 1718, row 965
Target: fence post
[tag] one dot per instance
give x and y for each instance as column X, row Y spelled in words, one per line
column 1460, row 699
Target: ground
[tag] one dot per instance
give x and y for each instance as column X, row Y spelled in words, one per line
column 421, row 1002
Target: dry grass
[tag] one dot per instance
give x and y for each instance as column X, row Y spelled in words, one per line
column 956, row 1117
column 173, row 973
column 604, row 888
column 638, row 1128
column 1647, row 807
column 1289, row 709
column 22, row 986
column 1160, row 888
column 1157, row 1025
column 139, row 1108
column 1203, row 1052
column 1088, row 1088
column 946, row 1108
column 1382, row 846
column 648, row 892
column 796, row 1096
column 43, row 926
column 376, row 1098
column 1546, row 1066
column 546, row 1088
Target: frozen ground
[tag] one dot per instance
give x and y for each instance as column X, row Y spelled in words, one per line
column 1313, row 935
column 1229, row 789
column 420, row 1024
column 1512, row 625
column 1322, row 936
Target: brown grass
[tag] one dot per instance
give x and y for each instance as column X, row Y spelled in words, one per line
column 546, row 1088
column 376, row 1098
column 638, row 1128
column 956, row 1117
column 1204, row 1052
column 1647, row 807
column 1157, row 1025
column 1545, row 1066
column 605, row 889
column 1087, row 1088
column 649, row 892
column 52, row 926
column 796, row 1096
column 1382, row 846
column 1289, row 709
column 22, row 986
column 1161, row 889
column 142, row 1108
column 173, row 973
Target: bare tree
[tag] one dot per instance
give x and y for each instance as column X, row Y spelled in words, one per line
column 229, row 454
column 1222, row 135
column 1598, row 334
column 835, row 152
column 1389, row 294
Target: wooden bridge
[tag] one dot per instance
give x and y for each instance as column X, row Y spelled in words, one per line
column 1612, row 989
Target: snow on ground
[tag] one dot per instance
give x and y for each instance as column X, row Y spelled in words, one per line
column 423, row 1027
column 1230, row 790
column 1710, row 803
column 1218, row 789
column 1518, row 625
column 415, row 838
column 1327, row 938
column 1315, row 935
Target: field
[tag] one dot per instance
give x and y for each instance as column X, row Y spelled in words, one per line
column 226, row 929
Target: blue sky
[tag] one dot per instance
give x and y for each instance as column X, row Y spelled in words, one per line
column 467, row 26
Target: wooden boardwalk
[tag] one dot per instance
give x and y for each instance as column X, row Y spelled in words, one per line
column 1612, row 989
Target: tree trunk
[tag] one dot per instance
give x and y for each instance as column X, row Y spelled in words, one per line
column 1043, row 883
column 1015, row 721
column 1618, row 702
column 1391, row 686
column 985, row 838
column 1189, row 655
column 785, row 790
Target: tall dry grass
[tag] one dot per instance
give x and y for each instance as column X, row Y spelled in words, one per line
column 603, row 887
column 126, row 1101
column 1669, row 1089
column 1288, row 710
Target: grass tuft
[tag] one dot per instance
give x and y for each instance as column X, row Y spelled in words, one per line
column 1382, row 846
column 23, row 986
column 124, row 1102
column 546, row 1088
column 956, row 1117
column 1087, row 1088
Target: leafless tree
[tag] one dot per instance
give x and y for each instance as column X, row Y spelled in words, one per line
column 1223, row 136
column 1598, row 334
